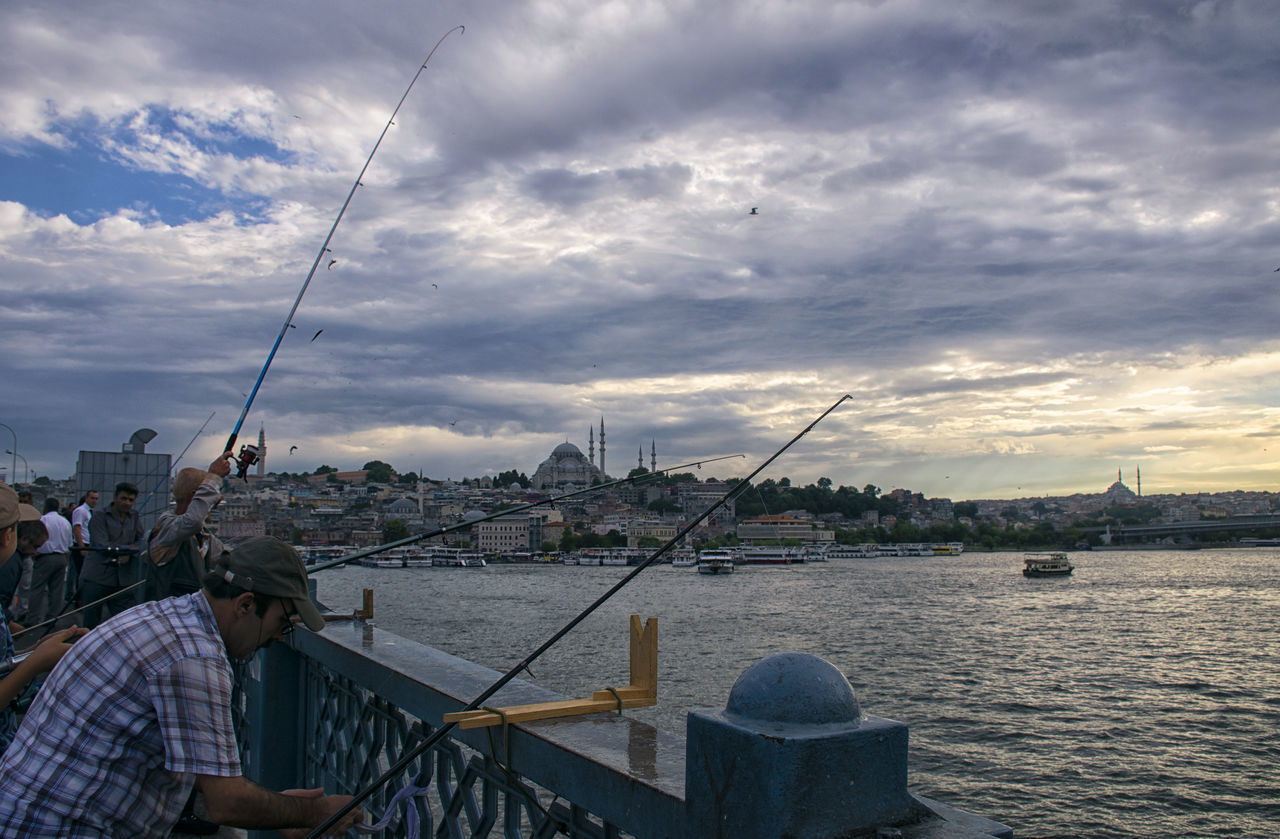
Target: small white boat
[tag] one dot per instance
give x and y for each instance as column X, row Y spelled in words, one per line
column 683, row 559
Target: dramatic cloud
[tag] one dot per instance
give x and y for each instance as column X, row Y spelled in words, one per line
column 1035, row 241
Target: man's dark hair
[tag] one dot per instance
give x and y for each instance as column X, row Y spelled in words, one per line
column 51, row 505
column 33, row 531
column 127, row 488
column 24, row 497
column 218, row 588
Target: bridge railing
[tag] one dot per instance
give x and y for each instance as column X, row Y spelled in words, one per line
column 336, row 709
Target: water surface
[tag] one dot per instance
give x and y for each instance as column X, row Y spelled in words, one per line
column 1139, row 697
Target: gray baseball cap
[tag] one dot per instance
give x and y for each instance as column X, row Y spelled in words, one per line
column 265, row 565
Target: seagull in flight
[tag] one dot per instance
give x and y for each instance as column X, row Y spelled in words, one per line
column 331, row 263
column 291, row 448
column 317, row 335
column 433, row 285
column 755, row 211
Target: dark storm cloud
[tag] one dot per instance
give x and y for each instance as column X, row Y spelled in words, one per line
column 1049, row 192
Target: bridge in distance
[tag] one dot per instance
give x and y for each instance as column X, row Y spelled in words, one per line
column 1187, row 531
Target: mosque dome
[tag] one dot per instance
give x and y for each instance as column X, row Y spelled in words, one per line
column 566, row 450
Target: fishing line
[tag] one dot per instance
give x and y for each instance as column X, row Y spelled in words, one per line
column 249, row 454
column 142, row 505
column 438, row 735
column 409, row 540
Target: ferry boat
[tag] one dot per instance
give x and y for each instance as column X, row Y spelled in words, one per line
column 715, row 562
column 683, row 559
column 1051, row 564
column 771, row 556
column 948, row 548
column 376, row 561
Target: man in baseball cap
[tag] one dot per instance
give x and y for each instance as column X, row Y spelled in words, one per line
column 268, row 566
column 139, row 712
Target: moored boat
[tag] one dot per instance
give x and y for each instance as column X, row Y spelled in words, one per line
column 683, row 559
column 1049, row 564
column 715, row 562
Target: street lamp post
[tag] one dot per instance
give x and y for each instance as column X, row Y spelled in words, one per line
column 26, row 470
column 13, row 476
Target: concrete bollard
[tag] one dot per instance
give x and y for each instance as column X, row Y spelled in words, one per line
column 791, row 755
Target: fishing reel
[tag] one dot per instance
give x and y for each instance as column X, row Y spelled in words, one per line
column 247, row 457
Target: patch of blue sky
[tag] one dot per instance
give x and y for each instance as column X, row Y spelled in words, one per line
column 86, row 182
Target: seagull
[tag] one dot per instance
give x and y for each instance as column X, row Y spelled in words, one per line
column 331, row 262
column 755, row 211
column 453, row 423
column 317, row 335
column 291, row 448
column 433, row 285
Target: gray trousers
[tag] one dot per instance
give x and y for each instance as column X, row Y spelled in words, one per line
column 48, row 579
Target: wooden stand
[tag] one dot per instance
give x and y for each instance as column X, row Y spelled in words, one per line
column 642, row 692
column 363, row 614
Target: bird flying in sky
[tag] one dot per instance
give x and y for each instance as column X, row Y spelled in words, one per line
column 331, row 263
column 317, row 335
column 755, row 211
column 291, row 448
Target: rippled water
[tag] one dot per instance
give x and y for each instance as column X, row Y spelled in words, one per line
column 1138, row 698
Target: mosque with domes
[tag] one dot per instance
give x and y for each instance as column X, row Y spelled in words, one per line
column 568, row 465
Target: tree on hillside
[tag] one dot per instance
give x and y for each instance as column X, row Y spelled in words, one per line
column 664, row 504
column 324, row 469
column 394, row 530
column 379, row 472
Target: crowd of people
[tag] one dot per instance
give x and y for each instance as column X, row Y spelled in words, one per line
column 130, row 703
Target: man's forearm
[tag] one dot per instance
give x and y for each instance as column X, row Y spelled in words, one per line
column 239, row 802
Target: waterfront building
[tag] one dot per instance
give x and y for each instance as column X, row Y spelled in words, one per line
column 781, row 526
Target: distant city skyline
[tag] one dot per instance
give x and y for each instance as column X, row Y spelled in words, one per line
column 1036, row 242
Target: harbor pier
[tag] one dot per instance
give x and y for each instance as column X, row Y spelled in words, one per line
column 790, row 755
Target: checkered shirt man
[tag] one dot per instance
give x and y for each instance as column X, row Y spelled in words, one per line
column 147, row 695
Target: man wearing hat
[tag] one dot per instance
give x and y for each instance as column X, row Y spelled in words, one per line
column 14, row 678
column 139, row 712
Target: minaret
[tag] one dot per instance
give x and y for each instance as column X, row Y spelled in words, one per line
column 262, row 451
column 653, row 455
column 602, row 472
column 591, row 445
column 1139, row 481
column 640, row 459
column 419, row 492
column 1119, row 477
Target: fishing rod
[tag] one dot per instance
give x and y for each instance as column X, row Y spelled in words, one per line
column 343, row 560
column 249, row 453
column 438, row 735
column 51, row 621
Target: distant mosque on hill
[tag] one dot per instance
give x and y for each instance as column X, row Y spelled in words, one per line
column 568, row 465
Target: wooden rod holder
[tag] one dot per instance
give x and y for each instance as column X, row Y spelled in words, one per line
column 642, row 692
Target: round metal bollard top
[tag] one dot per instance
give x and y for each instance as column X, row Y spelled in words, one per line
column 793, row 688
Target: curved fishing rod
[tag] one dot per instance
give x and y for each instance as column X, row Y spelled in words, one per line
column 249, row 454
column 409, row 540
column 438, row 735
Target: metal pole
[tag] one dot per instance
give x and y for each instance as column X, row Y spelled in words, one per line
column 26, row 469
column 13, row 476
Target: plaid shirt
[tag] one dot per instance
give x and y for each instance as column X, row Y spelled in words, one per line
column 130, row 714
column 8, row 719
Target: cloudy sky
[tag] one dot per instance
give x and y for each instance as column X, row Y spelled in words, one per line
column 1035, row 240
